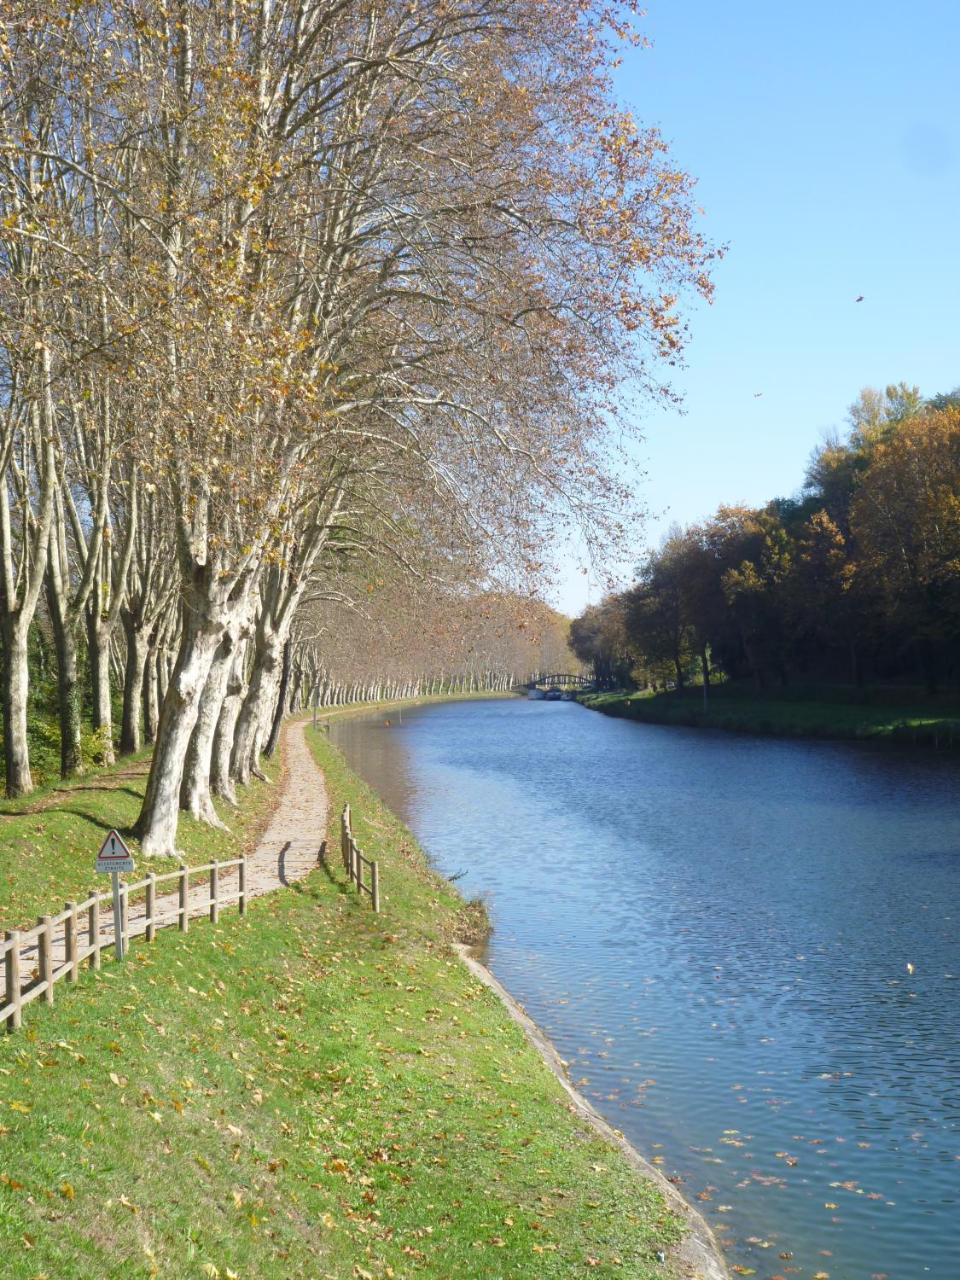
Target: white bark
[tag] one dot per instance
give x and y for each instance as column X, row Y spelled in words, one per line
column 202, row 631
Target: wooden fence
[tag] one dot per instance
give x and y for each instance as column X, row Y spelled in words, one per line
column 354, row 861
column 35, row 960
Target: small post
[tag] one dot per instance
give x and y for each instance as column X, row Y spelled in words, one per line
column 117, row 915
column 125, row 917
column 375, row 886
column 184, row 909
column 45, row 957
column 150, row 929
column 70, row 942
column 93, row 929
column 214, row 892
column 14, row 998
column 242, row 899
column 314, row 712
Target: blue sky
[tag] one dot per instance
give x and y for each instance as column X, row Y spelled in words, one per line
column 825, row 138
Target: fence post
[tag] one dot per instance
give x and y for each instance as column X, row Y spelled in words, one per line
column 151, row 928
column 45, row 957
column 184, row 909
column 214, row 892
column 124, row 918
column 70, row 942
column 93, row 928
column 375, row 886
column 242, row 900
column 13, row 980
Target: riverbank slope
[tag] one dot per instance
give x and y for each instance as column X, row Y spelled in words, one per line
column 342, row 1097
column 838, row 715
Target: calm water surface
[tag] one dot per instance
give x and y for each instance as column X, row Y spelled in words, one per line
column 715, row 930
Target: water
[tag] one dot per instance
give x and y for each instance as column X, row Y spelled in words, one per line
column 715, row 932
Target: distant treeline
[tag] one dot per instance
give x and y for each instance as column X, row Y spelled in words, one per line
column 856, row 579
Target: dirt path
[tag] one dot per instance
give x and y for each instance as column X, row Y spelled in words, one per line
column 287, row 851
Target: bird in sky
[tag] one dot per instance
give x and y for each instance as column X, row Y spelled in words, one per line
column 757, row 395
column 860, row 299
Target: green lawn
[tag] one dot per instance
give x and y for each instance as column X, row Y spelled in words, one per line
column 823, row 715
column 310, row 1091
column 49, row 839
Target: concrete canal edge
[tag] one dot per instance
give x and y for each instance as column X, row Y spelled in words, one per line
column 698, row 1256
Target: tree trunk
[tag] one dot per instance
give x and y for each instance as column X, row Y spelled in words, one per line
column 150, row 697
column 68, row 688
column 705, row 670
column 98, row 639
column 195, row 795
column 221, row 780
column 157, row 824
column 281, row 699
column 16, row 690
column 256, row 706
column 163, row 673
column 137, row 650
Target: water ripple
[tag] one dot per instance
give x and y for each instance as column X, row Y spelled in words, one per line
column 715, row 931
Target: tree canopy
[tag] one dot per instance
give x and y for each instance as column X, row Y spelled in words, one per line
column 856, row 578
column 293, row 297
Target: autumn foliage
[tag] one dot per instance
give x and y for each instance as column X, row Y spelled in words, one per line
column 856, row 580
column 289, row 291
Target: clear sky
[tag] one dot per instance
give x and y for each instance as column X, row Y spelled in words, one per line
column 825, row 138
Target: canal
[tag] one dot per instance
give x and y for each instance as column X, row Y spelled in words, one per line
column 747, row 950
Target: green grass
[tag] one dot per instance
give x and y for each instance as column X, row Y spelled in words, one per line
column 822, row 714
column 309, row 1091
column 49, row 839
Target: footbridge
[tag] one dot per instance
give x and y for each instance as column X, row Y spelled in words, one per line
column 559, row 680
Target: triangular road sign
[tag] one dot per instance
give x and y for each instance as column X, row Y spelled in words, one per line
column 114, row 855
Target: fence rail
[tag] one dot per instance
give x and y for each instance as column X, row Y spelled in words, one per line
column 354, row 861
column 35, row 960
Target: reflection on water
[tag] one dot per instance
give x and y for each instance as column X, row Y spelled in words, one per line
column 715, row 931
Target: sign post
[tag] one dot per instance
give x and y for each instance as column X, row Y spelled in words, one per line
column 114, row 857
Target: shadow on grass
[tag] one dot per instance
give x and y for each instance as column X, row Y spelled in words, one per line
column 327, row 870
column 54, row 806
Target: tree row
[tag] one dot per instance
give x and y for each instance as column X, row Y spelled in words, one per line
column 855, row 580
column 292, row 296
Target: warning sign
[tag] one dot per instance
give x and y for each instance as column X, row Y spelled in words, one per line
column 114, row 855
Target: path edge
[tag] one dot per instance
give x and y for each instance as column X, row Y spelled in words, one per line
column 698, row 1255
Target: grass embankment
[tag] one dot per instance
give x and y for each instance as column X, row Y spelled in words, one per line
column 903, row 718
column 310, row 1091
column 49, row 839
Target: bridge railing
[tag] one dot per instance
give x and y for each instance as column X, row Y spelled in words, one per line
column 558, row 679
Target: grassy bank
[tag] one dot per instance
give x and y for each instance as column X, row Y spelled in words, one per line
column 823, row 714
column 309, row 1091
column 49, row 839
